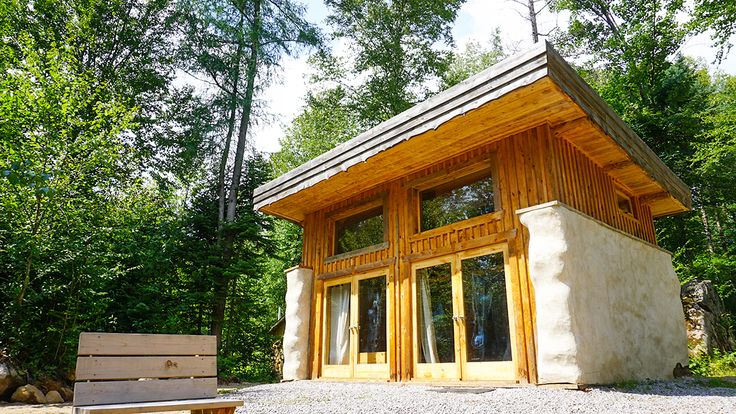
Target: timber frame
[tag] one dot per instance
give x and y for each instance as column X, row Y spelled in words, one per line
column 545, row 135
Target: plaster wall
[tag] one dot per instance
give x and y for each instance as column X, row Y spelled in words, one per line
column 607, row 304
column 296, row 328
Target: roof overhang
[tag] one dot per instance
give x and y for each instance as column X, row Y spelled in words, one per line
column 523, row 91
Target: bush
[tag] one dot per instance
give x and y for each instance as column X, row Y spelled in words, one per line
column 717, row 364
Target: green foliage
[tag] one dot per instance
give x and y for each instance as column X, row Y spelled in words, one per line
column 718, row 16
column 394, row 48
column 325, row 122
column 716, row 365
column 474, row 59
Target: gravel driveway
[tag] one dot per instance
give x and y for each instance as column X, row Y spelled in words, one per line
column 679, row 396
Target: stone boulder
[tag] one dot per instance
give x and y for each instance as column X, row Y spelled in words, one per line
column 28, row 394
column 50, row 384
column 67, row 394
column 703, row 308
column 10, row 379
column 53, row 397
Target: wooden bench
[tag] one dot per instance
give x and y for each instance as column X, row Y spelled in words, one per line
column 142, row 373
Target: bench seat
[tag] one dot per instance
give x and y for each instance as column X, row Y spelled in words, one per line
column 154, row 407
column 121, row 373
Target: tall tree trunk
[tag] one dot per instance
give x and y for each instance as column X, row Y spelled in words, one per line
column 533, row 21
column 223, row 283
column 230, row 128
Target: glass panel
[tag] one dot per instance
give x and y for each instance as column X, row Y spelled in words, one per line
column 338, row 308
column 471, row 196
column 434, row 314
column 359, row 231
column 372, row 320
column 486, row 313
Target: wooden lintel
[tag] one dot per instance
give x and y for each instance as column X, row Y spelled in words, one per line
column 357, row 269
column 465, row 245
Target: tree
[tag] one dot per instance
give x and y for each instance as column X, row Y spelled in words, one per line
column 236, row 45
column 394, row 48
column 719, row 16
column 474, row 59
column 533, row 9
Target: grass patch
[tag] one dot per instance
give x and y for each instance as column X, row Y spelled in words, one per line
column 717, row 364
column 627, row 385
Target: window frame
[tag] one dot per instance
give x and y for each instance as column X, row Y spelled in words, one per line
column 353, row 210
column 448, row 175
column 620, row 193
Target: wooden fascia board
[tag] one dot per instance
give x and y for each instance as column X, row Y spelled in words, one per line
column 511, row 74
column 612, row 125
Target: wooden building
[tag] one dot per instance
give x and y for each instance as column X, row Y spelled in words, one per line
column 416, row 263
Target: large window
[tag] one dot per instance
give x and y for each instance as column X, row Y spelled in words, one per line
column 362, row 229
column 469, row 196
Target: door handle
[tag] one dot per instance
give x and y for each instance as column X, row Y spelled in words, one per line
column 458, row 318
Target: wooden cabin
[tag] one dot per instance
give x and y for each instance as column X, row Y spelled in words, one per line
column 502, row 230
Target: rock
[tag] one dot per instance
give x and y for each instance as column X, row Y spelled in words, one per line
column 67, row 394
column 28, row 394
column 53, row 397
column 703, row 308
column 50, row 384
column 10, row 379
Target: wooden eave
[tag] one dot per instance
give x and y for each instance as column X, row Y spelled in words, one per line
column 523, row 91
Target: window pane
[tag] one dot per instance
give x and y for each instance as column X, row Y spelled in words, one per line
column 372, row 320
column 436, row 332
column 338, row 306
column 486, row 313
column 359, row 231
column 458, row 200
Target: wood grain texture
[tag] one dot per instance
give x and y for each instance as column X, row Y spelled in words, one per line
column 114, row 392
column 530, row 167
column 528, row 89
column 208, row 406
column 92, row 343
column 120, row 368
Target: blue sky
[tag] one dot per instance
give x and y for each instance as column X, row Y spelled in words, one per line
column 475, row 22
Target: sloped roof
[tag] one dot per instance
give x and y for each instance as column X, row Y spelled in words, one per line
column 522, row 91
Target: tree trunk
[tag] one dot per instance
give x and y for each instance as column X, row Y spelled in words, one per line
column 230, row 128
column 706, row 228
column 222, row 285
column 533, row 21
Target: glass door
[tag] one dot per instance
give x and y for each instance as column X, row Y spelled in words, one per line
column 462, row 328
column 484, row 317
column 355, row 342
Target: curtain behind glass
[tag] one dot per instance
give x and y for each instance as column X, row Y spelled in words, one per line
column 339, row 324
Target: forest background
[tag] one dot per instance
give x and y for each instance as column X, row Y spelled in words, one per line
column 127, row 156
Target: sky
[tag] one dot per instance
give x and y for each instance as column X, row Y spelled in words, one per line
column 476, row 21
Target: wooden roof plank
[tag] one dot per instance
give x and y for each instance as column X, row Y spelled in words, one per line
column 517, row 73
column 468, row 95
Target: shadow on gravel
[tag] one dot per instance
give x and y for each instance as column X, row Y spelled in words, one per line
column 686, row 387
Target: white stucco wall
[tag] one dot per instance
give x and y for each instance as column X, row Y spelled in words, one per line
column 296, row 328
column 607, row 304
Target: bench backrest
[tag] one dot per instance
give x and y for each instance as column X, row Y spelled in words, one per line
column 117, row 368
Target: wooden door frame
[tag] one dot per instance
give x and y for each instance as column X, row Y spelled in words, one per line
column 459, row 370
column 353, row 369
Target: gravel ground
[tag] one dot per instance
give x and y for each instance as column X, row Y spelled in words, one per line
column 660, row 397
column 679, row 396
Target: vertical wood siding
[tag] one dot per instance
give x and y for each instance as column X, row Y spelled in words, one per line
column 530, row 168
